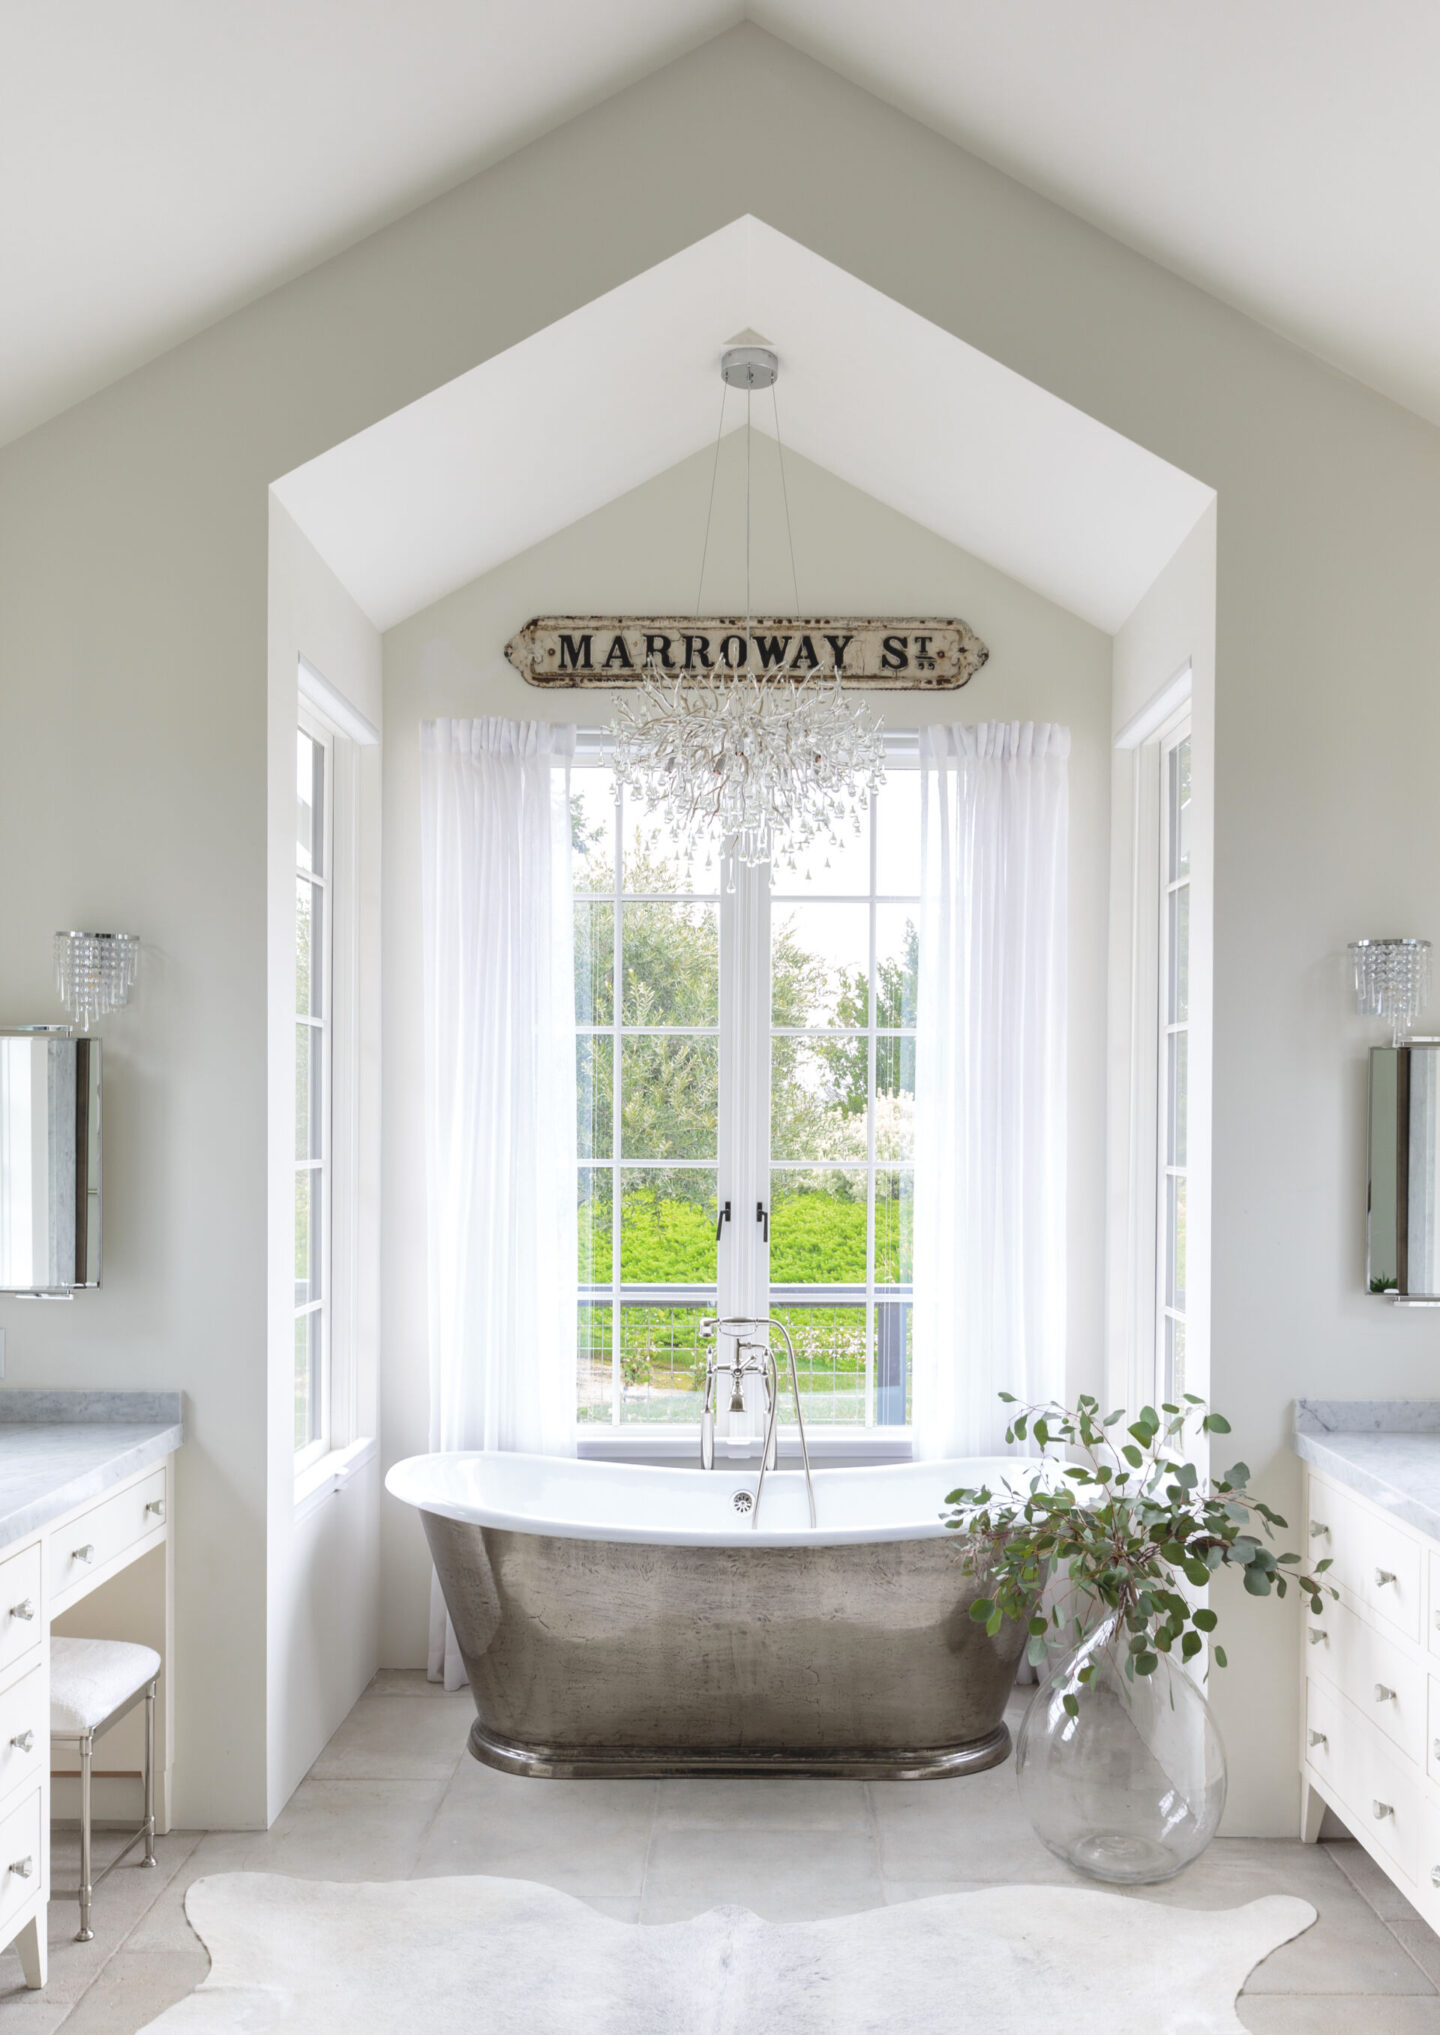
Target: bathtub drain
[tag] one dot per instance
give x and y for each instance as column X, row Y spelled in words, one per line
column 742, row 1501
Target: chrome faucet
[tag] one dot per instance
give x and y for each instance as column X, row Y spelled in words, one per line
column 752, row 1356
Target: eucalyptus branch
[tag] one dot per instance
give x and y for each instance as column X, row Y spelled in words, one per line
column 1128, row 1526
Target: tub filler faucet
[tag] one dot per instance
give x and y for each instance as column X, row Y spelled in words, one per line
column 750, row 1355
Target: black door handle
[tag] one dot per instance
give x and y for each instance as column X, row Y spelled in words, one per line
column 762, row 1214
column 722, row 1218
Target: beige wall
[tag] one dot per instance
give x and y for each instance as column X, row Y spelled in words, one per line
column 133, row 618
column 641, row 555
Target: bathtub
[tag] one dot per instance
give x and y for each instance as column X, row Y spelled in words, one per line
column 623, row 1620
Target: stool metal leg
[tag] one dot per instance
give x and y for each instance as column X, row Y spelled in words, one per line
column 149, row 1858
column 87, row 1748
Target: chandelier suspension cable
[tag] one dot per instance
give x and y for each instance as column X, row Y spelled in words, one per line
column 747, row 528
column 785, row 498
column 710, row 506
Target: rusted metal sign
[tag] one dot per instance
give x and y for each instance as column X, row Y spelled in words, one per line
column 899, row 656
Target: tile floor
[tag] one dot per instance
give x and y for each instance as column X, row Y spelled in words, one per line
column 395, row 1795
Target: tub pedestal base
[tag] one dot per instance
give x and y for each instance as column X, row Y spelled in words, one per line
column 631, row 1762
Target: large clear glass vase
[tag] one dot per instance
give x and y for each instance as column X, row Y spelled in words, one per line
column 1130, row 1789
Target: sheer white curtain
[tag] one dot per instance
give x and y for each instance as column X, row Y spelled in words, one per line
column 990, row 1090
column 499, row 1094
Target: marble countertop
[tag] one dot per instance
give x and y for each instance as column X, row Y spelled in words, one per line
column 1386, row 1449
column 60, row 1449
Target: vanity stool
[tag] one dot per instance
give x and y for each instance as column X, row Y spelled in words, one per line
column 93, row 1684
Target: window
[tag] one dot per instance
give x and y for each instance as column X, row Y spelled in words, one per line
column 313, row 1087
column 746, row 1082
column 1173, row 1005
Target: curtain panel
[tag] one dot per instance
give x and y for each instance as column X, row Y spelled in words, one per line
column 499, row 1093
column 990, row 1100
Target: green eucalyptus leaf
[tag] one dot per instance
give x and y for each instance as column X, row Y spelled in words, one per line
column 1205, row 1618
column 1220, row 1659
column 1215, row 1423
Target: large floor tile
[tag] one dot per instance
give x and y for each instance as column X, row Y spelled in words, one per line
column 784, row 1875
column 1420, row 1940
column 1337, row 2016
column 134, row 1987
column 120, row 1903
column 776, row 1802
column 585, row 1837
column 350, row 1830
column 385, row 1739
column 1366, row 1877
column 969, row 1829
column 165, row 1926
column 407, row 1682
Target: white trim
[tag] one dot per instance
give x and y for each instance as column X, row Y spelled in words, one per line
column 597, row 1443
column 348, row 719
column 1146, row 724
column 328, row 1477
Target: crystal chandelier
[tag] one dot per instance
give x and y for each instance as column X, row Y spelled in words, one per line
column 1392, row 981
column 761, row 767
column 94, row 973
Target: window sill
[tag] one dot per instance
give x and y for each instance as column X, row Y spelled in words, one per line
column 328, row 1477
column 861, row 1444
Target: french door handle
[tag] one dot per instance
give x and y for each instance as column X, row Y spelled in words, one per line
column 721, row 1219
column 762, row 1214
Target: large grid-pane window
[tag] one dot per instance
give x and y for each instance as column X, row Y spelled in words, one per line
column 312, row 1088
column 1174, row 1059
column 746, row 1081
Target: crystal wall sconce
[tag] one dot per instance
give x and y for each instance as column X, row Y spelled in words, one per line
column 1392, row 981
column 94, row 973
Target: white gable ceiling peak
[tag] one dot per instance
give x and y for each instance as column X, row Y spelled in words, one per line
column 550, row 430
column 162, row 163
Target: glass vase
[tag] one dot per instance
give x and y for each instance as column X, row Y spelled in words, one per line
column 1131, row 1789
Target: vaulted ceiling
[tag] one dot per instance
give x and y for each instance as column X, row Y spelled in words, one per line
column 162, row 162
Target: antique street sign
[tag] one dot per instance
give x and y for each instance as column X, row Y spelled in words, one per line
column 901, row 656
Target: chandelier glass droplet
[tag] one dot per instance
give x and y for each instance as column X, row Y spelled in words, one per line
column 94, row 973
column 1392, row 981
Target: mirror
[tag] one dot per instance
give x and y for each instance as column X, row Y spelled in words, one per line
column 49, row 1161
column 1403, row 1210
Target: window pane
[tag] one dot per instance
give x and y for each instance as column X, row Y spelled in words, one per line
column 818, row 1097
column 894, row 1225
column 593, row 1224
column 829, row 1361
column 897, row 836
column 895, row 1098
column 307, row 1240
column 1179, row 984
column 1175, row 1386
column 308, row 1331
column 1175, row 1243
column 594, row 963
column 662, row 1363
column 309, row 947
column 669, row 1098
column 818, row 1225
column 667, row 1227
column 1177, row 1097
column 592, row 830
column 592, row 1362
column 1180, row 810
column 892, row 1362
column 829, row 869
column 670, row 964
column 594, row 1096
column 820, row 964
column 897, row 964
column 653, row 864
column 307, row 1091
column 309, row 790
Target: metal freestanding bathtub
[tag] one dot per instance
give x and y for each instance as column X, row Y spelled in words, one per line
column 626, row 1620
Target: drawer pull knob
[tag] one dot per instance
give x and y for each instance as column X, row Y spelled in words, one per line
column 1318, row 1530
column 24, row 1609
column 23, row 1740
column 1318, row 1634
column 1435, row 1875
column 1318, row 1738
column 1382, row 1577
column 83, row 1554
column 1381, row 1810
column 1382, row 1694
column 22, row 1867
column 157, row 1506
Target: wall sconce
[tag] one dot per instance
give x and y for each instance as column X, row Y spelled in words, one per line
column 94, row 973
column 1392, row 981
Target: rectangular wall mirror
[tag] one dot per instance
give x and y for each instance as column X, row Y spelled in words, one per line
column 1403, row 1226
column 49, row 1162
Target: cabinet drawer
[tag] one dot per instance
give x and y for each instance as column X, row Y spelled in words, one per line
column 1433, row 1628
column 22, row 1622
column 1391, row 1801
column 21, row 1863
column 88, row 1544
column 1377, row 1565
column 1325, row 1741
column 1384, row 1681
column 25, row 1730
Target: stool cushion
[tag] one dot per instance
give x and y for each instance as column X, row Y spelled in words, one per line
column 91, row 1678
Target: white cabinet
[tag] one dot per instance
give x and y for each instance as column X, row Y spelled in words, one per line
column 1370, row 1729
